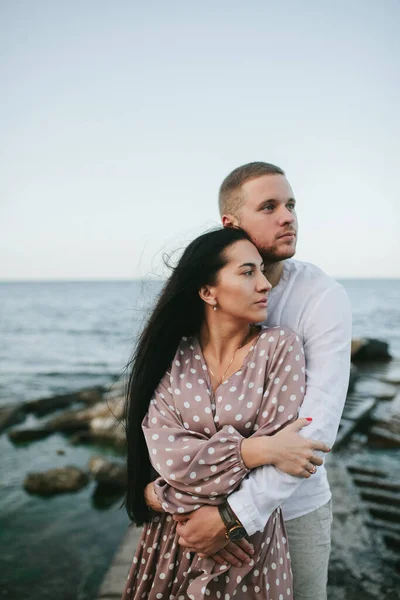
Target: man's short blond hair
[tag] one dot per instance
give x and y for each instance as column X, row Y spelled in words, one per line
column 230, row 193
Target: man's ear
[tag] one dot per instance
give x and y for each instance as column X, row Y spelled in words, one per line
column 207, row 294
column 229, row 220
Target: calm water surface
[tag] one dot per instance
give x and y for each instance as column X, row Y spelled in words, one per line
column 59, row 337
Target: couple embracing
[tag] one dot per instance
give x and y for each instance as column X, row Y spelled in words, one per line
column 236, row 392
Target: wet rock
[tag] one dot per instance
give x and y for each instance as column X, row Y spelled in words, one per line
column 10, row 414
column 368, row 349
column 104, row 432
column 76, row 420
column 56, row 481
column 60, row 452
column 108, row 474
column 104, row 499
column 44, row 406
column 28, row 435
column 108, row 429
column 68, row 423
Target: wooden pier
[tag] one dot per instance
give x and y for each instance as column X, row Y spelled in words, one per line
column 114, row 581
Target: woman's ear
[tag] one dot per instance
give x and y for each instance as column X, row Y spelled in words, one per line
column 207, row 294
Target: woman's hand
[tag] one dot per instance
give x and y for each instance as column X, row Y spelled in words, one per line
column 293, row 454
column 151, row 498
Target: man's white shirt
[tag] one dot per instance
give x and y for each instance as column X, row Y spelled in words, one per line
column 317, row 307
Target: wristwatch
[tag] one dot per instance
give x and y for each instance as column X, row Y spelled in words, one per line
column 234, row 529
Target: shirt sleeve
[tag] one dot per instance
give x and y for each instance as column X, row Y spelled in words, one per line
column 194, row 469
column 327, row 341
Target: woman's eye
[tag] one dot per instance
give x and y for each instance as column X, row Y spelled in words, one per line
column 248, row 273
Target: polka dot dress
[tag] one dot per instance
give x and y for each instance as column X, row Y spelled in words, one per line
column 194, row 437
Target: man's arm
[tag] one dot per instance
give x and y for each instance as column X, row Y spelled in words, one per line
column 327, row 339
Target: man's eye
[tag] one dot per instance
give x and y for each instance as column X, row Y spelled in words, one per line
column 269, row 207
column 292, row 205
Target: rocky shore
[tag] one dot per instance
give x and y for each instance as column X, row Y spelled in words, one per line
column 365, row 560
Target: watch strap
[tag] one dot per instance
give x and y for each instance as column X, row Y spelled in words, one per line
column 228, row 516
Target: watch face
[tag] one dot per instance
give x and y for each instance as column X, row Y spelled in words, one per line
column 237, row 533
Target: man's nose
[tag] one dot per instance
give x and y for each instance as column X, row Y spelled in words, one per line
column 285, row 216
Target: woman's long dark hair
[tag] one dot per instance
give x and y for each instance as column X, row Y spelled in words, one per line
column 179, row 312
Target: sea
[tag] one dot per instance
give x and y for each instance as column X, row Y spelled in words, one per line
column 59, row 337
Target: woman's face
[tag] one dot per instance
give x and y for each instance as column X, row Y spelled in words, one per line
column 241, row 289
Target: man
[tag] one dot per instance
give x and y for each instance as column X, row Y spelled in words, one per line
column 258, row 198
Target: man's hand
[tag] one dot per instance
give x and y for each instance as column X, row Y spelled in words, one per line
column 203, row 531
column 235, row 553
column 292, row 453
column 151, row 499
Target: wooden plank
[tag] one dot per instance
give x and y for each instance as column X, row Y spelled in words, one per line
column 364, row 470
column 363, row 481
column 357, row 409
column 381, row 496
column 383, row 526
column 392, row 541
column 386, row 513
column 346, row 428
column 382, row 438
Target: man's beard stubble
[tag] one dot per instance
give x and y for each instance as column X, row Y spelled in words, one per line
column 272, row 254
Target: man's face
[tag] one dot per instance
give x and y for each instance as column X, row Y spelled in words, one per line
column 268, row 215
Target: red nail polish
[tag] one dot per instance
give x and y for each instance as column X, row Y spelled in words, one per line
column 309, row 418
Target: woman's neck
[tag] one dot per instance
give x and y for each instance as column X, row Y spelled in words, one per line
column 220, row 338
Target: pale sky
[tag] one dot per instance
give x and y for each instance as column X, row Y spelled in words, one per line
column 119, row 120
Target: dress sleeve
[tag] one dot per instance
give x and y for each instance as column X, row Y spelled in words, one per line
column 194, row 469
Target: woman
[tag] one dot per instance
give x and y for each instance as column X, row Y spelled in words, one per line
column 208, row 386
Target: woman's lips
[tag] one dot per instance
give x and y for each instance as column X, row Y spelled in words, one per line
column 262, row 302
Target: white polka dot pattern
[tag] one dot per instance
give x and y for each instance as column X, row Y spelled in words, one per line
column 194, row 438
